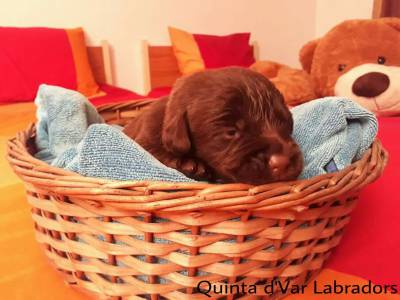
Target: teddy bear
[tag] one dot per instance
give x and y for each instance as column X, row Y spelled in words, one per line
column 357, row 59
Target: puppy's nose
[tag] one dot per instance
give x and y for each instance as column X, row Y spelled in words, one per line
column 371, row 84
column 278, row 164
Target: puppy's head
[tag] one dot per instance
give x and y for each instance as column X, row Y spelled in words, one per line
column 235, row 121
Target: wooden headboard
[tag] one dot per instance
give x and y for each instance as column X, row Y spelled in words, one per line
column 161, row 67
column 99, row 59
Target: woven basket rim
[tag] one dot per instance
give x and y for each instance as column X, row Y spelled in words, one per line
column 66, row 183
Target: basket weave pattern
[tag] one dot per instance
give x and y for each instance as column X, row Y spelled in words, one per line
column 140, row 240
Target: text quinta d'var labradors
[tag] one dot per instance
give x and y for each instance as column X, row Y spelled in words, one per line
column 286, row 287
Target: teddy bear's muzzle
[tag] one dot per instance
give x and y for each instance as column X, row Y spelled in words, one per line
column 374, row 86
column 371, row 84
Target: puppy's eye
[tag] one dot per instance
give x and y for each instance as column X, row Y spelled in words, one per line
column 232, row 133
column 341, row 67
column 381, row 60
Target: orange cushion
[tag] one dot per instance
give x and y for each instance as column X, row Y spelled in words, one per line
column 196, row 52
column 186, row 51
column 86, row 84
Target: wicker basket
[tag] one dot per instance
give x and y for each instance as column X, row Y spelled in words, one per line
column 142, row 240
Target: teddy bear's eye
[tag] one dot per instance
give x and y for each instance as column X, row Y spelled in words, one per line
column 381, row 60
column 341, row 67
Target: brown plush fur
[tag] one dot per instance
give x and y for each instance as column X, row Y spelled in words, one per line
column 222, row 125
column 350, row 43
column 324, row 60
column 295, row 85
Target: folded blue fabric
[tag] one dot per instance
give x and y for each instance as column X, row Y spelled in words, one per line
column 63, row 117
column 69, row 136
column 332, row 132
column 106, row 152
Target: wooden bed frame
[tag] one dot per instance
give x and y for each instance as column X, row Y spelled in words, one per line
column 100, row 61
column 161, row 67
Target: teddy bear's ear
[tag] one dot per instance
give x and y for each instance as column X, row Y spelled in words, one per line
column 392, row 22
column 307, row 54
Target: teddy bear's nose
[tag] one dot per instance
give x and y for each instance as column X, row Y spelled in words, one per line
column 371, row 84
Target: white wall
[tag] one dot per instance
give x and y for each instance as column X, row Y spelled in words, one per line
column 280, row 27
column 330, row 13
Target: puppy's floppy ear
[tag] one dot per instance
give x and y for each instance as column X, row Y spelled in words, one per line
column 175, row 132
column 307, row 55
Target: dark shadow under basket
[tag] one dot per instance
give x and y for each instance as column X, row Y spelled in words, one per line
column 142, row 240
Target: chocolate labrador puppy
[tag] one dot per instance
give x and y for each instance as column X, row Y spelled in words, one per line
column 225, row 125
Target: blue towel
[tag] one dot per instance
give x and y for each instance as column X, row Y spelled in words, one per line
column 63, row 117
column 69, row 136
column 106, row 152
column 332, row 132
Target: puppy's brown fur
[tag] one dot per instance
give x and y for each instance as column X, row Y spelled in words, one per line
column 229, row 125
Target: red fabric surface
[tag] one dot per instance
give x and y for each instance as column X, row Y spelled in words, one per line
column 159, row 92
column 116, row 94
column 31, row 56
column 371, row 243
column 223, row 51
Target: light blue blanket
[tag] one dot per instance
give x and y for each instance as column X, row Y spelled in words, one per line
column 331, row 132
column 70, row 135
column 63, row 118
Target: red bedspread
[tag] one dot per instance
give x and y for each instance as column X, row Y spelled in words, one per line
column 371, row 246
column 116, row 94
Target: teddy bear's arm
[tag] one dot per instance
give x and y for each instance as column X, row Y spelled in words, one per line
column 295, row 85
column 269, row 69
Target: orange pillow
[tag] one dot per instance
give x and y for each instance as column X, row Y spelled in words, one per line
column 196, row 52
column 186, row 51
column 86, row 84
